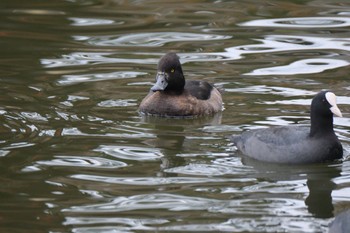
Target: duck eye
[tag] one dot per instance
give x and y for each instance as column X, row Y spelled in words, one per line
column 172, row 70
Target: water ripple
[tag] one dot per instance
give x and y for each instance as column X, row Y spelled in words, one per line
column 152, row 181
column 74, row 79
column 38, row 12
column 246, row 224
column 79, row 161
column 220, row 167
column 285, row 187
column 305, row 66
column 92, row 21
column 275, row 90
column 117, row 103
column 16, row 145
column 91, row 58
column 282, row 43
column 18, row 129
column 300, row 22
column 280, row 120
column 131, row 153
column 340, row 100
column 34, row 116
column 234, row 224
column 126, row 224
column 147, row 202
column 151, row 39
column 270, row 44
column 283, row 207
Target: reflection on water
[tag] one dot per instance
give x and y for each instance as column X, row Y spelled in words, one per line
column 153, row 39
column 263, row 89
column 91, row 21
column 270, row 44
column 301, row 22
column 307, row 66
column 130, row 153
column 74, row 79
column 76, row 156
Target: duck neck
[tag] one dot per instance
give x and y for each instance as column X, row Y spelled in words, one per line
column 176, row 85
column 321, row 126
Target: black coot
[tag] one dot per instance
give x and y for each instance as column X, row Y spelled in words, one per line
column 341, row 223
column 297, row 144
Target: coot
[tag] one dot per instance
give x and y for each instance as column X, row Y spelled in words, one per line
column 297, row 144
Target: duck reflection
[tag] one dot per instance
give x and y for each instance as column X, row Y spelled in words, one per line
column 171, row 136
column 319, row 181
column 319, row 201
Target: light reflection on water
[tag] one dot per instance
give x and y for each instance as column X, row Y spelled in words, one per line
column 92, row 21
column 307, row 66
column 77, row 156
column 154, row 39
column 271, row 44
column 73, row 79
column 300, row 22
column 130, row 153
column 76, row 161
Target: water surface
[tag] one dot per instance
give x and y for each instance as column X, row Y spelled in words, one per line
column 75, row 155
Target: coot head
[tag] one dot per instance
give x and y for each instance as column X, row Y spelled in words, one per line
column 323, row 107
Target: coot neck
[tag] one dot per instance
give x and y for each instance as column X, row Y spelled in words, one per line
column 321, row 125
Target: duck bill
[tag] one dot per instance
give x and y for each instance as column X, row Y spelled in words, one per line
column 336, row 111
column 161, row 82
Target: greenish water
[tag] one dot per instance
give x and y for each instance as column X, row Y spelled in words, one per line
column 75, row 155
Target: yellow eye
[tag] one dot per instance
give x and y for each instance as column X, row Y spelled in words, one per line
column 172, row 70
